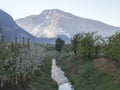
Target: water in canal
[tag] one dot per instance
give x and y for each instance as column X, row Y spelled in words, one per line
column 59, row 77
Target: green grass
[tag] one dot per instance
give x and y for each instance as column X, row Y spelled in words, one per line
column 52, row 54
column 44, row 81
column 84, row 75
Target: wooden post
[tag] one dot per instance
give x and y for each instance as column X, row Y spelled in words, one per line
column 16, row 41
column 16, row 54
column 28, row 43
column 23, row 41
column 3, row 39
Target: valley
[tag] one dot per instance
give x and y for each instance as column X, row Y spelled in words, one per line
column 57, row 50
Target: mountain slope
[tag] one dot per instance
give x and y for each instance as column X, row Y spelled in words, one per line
column 51, row 23
column 10, row 29
column 52, row 40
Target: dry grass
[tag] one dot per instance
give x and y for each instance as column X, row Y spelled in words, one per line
column 70, row 64
column 106, row 65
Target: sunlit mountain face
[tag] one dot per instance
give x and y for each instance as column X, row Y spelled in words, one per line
column 54, row 22
column 51, row 24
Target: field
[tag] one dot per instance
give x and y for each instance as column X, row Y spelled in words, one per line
column 90, row 74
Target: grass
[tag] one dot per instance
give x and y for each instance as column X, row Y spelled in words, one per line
column 51, row 54
column 44, row 81
column 85, row 75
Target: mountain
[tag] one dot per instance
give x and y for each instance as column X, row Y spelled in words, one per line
column 52, row 23
column 52, row 39
column 10, row 29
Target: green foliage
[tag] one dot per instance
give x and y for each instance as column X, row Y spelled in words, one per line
column 59, row 44
column 112, row 48
column 86, row 44
column 91, row 45
column 75, row 42
column 49, row 47
column 84, row 75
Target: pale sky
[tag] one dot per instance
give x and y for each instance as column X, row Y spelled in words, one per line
column 107, row 11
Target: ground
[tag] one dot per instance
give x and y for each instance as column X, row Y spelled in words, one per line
column 90, row 74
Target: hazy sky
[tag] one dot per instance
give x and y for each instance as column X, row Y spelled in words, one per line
column 107, row 11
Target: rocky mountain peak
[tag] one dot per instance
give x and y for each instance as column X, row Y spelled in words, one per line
column 53, row 22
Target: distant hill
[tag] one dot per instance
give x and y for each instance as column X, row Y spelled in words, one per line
column 52, row 40
column 49, row 25
column 10, row 29
column 52, row 23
